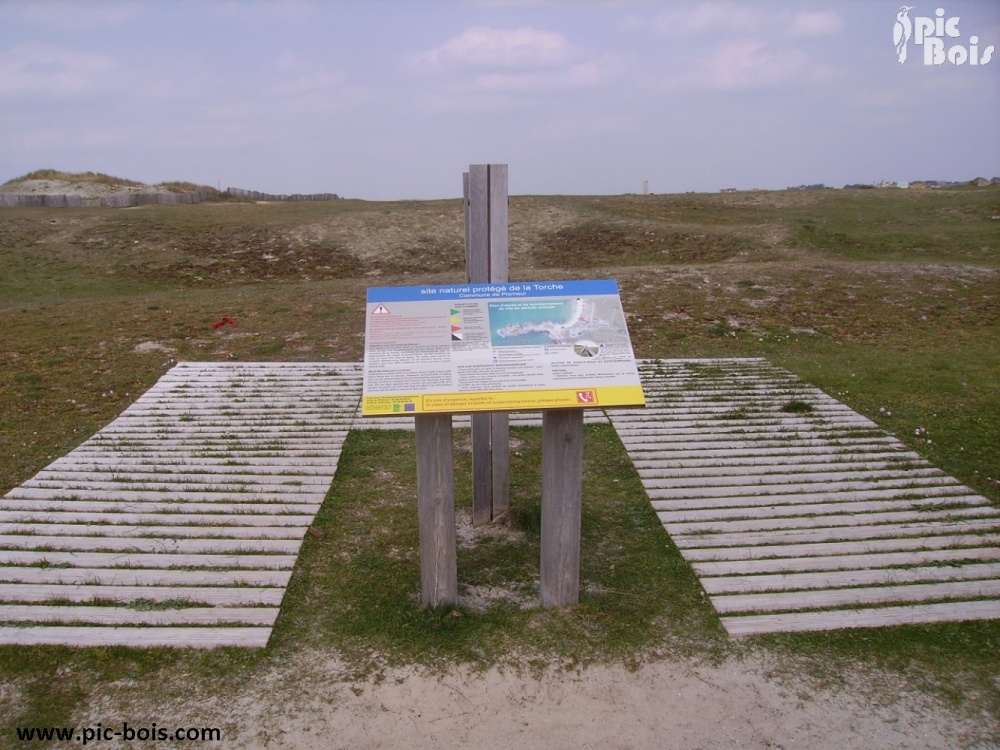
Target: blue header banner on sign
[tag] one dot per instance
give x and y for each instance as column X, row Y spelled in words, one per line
column 507, row 290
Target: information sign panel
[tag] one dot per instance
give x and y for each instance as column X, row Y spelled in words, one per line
column 512, row 346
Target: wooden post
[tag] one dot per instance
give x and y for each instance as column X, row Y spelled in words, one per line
column 500, row 447
column 562, row 506
column 486, row 256
column 499, row 274
column 436, row 510
column 477, row 258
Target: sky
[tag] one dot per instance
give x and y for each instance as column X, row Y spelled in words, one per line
column 394, row 99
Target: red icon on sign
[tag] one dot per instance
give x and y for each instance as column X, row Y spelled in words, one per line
column 586, row 397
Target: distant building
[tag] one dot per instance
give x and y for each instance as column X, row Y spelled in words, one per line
column 728, row 190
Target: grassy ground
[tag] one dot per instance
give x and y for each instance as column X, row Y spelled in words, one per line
column 888, row 300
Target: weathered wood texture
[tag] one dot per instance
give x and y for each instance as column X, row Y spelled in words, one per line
column 498, row 217
column 482, row 500
column 200, row 492
column 500, row 447
column 128, row 200
column 120, row 200
column 294, row 197
column 477, row 259
column 486, row 258
column 499, row 269
column 562, row 506
column 436, row 510
column 795, row 511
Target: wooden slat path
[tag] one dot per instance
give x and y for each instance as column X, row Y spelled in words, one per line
column 179, row 523
column 805, row 517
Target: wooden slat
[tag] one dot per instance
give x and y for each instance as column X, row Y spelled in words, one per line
column 823, row 513
column 917, row 614
column 130, row 616
column 829, row 579
column 843, row 550
column 148, row 544
column 798, row 600
column 143, row 637
column 48, row 558
column 861, row 560
column 827, row 534
column 878, row 524
column 20, row 518
column 177, row 531
column 145, row 577
column 224, row 597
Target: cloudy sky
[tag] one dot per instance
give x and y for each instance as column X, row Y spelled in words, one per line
column 387, row 100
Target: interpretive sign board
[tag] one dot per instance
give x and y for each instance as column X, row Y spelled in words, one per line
column 513, row 346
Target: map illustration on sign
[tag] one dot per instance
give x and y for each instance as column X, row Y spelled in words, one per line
column 557, row 322
column 497, row 347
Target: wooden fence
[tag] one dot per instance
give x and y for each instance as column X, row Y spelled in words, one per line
column 127, row 200
column 255, row 196
column 121, row 200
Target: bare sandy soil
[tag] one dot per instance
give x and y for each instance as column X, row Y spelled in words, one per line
column 664, row 704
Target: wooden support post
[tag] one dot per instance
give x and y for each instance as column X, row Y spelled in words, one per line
column 477, row 259
column 499, row 236
column 500, row 445
column 482, row 501
column 486, row 257
column 436, row 510
column 499, row 274
column 562, row 506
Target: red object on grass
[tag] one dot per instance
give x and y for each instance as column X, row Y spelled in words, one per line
column 223, row 322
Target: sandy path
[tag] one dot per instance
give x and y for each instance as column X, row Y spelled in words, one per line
column 666, row 705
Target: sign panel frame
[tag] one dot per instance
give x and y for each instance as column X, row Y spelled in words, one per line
column 512, row 346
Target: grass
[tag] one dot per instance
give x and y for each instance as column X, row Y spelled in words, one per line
column 632, row 577
column 888, row 300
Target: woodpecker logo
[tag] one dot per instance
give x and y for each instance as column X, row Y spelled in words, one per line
column 939, row 36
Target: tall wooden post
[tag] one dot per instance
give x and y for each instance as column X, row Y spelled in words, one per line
column 562, row 506
column 486, row 258
column 499, row 274
column 436, row 510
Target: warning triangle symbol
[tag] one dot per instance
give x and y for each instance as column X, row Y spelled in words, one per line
column 380, row 310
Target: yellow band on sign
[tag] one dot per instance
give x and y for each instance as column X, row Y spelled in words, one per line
column 557, row 398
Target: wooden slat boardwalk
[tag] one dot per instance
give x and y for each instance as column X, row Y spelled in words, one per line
column 179, row 523
column 798, row 513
